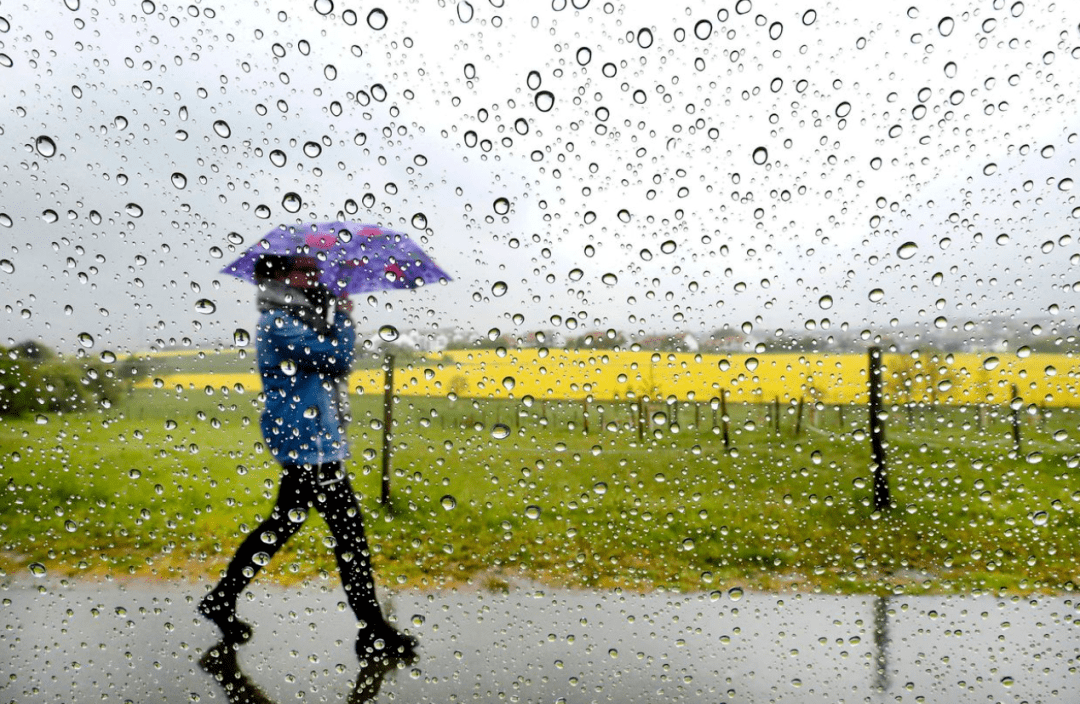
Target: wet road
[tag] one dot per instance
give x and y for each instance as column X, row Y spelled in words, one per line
column 143, row 642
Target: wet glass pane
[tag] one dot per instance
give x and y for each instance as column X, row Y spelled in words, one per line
column 615, row 351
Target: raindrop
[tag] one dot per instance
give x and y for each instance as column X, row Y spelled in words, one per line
column 222, row 129
column 703, row 30
column 148, row 6
column 205, row 306
column 907, row 250
column 70, row 526
column 49, row 216
column 659, row 418
column 241, row 337
column 121, row 122
column 7, row 266
column 262, row 211
column 825, row 302
column 498, row 289
column 419, row 221
column 464, row 11
column 584, row 56
column 644, row 38
column 45, row 146
column 181, row 135
column 278, row 158
column 312, row 149
column 645, row 254
column 72, row 5
column 600, row 488
column 545, row 100
column 500, row 431
column 388, row 333
column 86, row 339
column 509, row 382
column 324, row 7
column 668, row 247
column 179, row 180
column 843, row 109
column 761, row 155
column 533, row 80
column 1065, row 184
column 610, row 279
column 775, row 30
column 532, row 512
column 945, row 26
column 291, row 202
column 735, row 593
column 448, row 502
column 809, row 17
column 37, row 569
column 956, row 97
column 576, row 274
column 876, row 295
column 1047, row 151
column 377, row 19
column 501, row 206
column 1040, row 518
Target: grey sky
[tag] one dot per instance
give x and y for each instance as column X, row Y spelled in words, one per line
column 637, row 202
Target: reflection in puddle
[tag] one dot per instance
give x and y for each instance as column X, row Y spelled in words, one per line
column 144, row 642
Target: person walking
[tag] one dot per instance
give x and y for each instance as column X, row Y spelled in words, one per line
column 304, row 357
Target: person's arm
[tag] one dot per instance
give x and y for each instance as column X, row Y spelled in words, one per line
column 329, row 354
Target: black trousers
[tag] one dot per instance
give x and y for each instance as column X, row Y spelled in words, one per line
column 327, row 489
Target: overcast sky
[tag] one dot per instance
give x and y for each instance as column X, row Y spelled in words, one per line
column 609, row 165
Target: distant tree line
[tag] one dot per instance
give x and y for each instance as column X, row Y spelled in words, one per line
column 35, row 379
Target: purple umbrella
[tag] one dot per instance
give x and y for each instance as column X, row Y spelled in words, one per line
column 354, row 257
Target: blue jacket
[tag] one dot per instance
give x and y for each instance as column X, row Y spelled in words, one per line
column 300, row 369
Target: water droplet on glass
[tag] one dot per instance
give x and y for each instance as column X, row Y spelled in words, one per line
column 45, row 146
column 288, row 367
column 312, row 149
column 735, row 593
column 645, row 38
column 991, row 363
column 610, row 279
column 107, row 356
column 181, row 135
column 501, row 206
column 751, row 363
column 1065, row 184
column 659, row 418
column 377, row 19
column 465, row 11
column 419, row 221
column 324, row 7
column 945, row 26
column 86, row 339
column 500, row 431
column 37, row 569
column 70, row 526
column 1040, row 518
column 876, row 295
column 388, row 333
column 205, row 306
column 584, row 56
column 262, row 211
column 291, row 202
column 545, row 100
column 825, row 302
column 532, row 512
column 7, row 266
column 222, row 128
column 134, row 210
column 50, row 216
column 843, row 109
column 521, row 126
column 761, row 155
column 508, row 383
column 448, row 502
column 72, row 5
column 703, row 29
column 809, row 17
column 241, row 337
column 533, row 80
column 179, row 180
column 907, row 250
column 498, row 289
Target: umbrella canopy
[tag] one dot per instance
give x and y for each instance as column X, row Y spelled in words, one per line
column 353, row 257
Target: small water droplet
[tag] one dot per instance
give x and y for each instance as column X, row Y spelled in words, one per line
column 668, row 247
column 532, row 512
column 222, row 129
column 388, row 333
column 533, row 80
column 148, row 6
column 500, row 431
column 508, row 383
column 70, row 526
column 278, row 158
column 600, row 488
column 50, row 216
column 945, row 26
column 610, row 279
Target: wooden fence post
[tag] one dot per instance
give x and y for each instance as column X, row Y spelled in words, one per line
column 776, row 414
column 388, row 421
column 798, row 418
column 724, row 418
column 882, row 500
column 1015, row 405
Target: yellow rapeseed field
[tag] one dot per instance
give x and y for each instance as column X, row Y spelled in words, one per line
column 951, row 379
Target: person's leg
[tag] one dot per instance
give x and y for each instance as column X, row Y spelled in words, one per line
column 336, row 501
column 257, row 549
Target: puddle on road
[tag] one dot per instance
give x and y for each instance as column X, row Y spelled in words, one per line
column 143, row 642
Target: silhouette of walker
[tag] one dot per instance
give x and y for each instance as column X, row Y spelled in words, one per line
column 304, row 357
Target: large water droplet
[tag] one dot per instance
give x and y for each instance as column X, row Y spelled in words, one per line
column 377, row 19
column 761, row 155
column 419, row 221
column 907, row 250
column 291, row 202
column 703, row 29
column 532, row 512
column 735, row 593
column 584, row 56
column 205, row 306
column 86, row 339
column 533, row 80
column 945, row 26
column 991, row 363
column 7, row 266
column 278, row 158
column 448, row 502
column 1040, row 518
column 464, row 11
column 312, row 149
column 241, row 337
column 500, row 431
column 501, row 206
column 825, row 302
column 37, row 569
column 134, row 210
column 751, row 363
column 545, row 100
column 876, row 295
column 388, row 333
column 45, row 146
column 498, row 289
column 324, row 7
column 645, row 38
column 222, row 128
column 179, row 180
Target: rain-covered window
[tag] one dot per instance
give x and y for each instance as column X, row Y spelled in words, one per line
column 552, row 351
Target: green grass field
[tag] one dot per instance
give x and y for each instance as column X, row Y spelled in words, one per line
column 168, row 483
